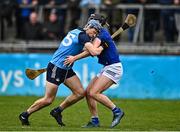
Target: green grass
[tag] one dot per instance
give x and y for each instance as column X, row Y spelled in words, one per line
column 140, row 115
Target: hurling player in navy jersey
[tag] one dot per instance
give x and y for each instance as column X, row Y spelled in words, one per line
column 109, row 75
column 57, row 73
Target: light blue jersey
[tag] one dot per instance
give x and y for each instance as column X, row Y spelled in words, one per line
column 72, row 44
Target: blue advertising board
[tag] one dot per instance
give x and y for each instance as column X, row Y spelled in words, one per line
column 145, row 76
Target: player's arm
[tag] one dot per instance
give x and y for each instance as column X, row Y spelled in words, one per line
column 95, row 48
column 71, row 59
column 96, row 42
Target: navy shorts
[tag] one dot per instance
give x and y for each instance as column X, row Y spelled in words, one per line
column 57, row 75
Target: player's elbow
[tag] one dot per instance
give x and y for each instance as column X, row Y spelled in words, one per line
column 95, row 53
column 93, row 50
column 98, row 51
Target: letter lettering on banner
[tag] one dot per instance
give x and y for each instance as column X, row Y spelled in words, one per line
column 5, row 80
column 37, row 80
column 85, row 75
column 19, row 82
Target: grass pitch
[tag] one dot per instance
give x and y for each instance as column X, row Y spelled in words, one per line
column 139, row 115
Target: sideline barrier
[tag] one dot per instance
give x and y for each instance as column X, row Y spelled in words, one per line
column 145, row 76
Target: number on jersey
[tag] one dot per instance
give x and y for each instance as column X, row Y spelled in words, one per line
column 68, row 39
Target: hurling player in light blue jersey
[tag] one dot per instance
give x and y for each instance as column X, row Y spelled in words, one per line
column 109, row 75
column 58, row 73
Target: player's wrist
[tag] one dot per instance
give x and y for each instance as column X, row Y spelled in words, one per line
column 75, row 58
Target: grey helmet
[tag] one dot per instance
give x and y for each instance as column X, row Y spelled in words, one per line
column 93, row 24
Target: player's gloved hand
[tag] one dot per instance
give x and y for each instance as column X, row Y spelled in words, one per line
column 104, row 45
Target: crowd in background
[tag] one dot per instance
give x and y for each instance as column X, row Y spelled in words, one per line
column 30, row 25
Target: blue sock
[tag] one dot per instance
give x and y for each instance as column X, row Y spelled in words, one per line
column 58, row 109
column 95, row 120
column 116, row 110
column 25, row 114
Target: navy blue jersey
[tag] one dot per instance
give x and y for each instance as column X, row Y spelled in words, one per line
column 109, row 55
column 72, row 44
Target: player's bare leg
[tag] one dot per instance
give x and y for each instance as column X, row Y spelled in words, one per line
column 100, row 85
column 92, row 105
column 50, row 93
column 74, row 84
column 77, row 89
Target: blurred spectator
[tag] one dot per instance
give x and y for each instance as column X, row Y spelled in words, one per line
column 108, row 2
column 52, row 28
column 62, row 14
column 73, row 14
column 60, row 11
column 114, row 16
column 22, row 16
column 168, row 21
column 109, row 14
column 35, row 2
column 151, row 21
column 42, row 2
column 88, row 7
column 132, row 11
column 32, row 29
column 7, row 8
column 49, row 5
column 177, row 18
